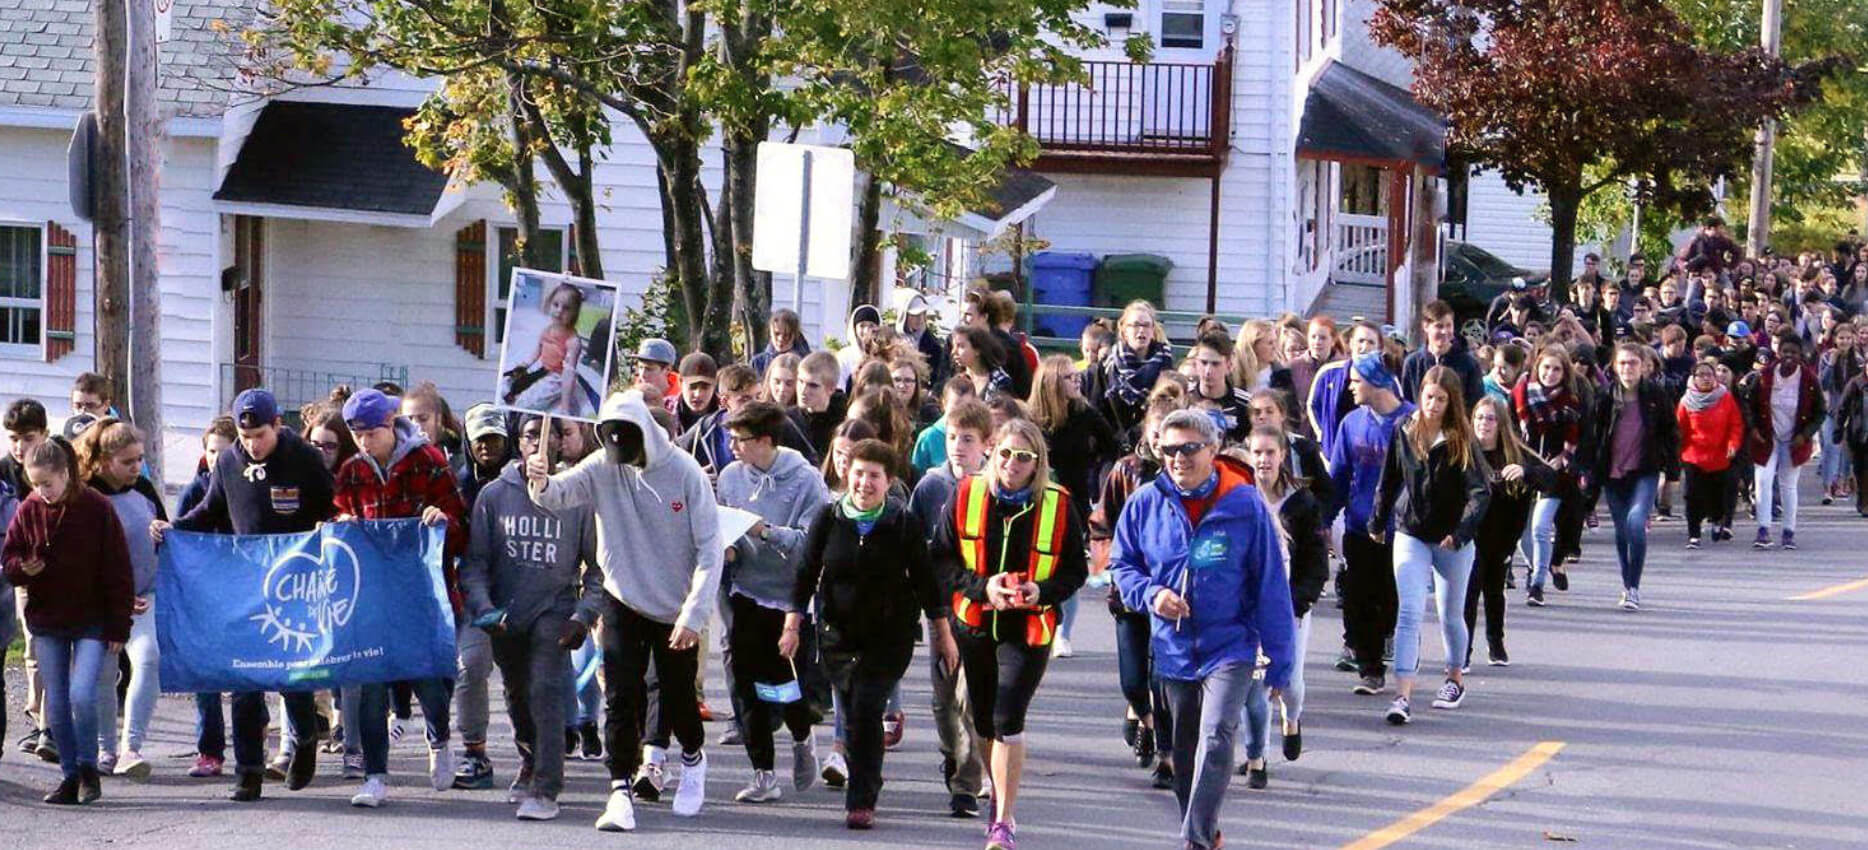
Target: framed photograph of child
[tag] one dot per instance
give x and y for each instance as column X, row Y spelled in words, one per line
column 558, row 353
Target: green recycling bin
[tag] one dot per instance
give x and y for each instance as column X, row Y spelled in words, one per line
column 1126, row 277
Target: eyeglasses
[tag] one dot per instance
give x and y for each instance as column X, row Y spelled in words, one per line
column 1019, row 455
column 1190, row 449
column 329, row 447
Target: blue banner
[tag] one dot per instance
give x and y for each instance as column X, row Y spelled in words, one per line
column 351, row 603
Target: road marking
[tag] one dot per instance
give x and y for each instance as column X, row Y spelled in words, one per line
column 1827, row 592
column 1467, row 797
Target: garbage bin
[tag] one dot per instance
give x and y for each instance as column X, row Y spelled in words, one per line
column 1127, row 277
column 1063, row 279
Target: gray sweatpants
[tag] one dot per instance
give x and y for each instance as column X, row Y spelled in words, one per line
column 1203, row 750
column 532, row 665
column 470, row 685
column 953, row 719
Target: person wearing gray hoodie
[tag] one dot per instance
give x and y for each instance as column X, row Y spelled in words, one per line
column 521, row 579
column 658, row 534
column 786, row 492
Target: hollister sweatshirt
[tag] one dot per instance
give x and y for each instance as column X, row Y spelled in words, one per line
column 526, row 559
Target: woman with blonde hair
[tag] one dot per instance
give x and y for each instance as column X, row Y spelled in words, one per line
column 1436, row 486
column 1255, row 355
column 1119, row 386
column 780, row 384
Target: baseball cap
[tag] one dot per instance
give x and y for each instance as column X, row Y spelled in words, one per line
column 79, row 424
column 657, row 351
column 1519, row 284
column 369, row 409
column 1738, row 328
column 485, row 420
column 255, row 408
column 699, row 365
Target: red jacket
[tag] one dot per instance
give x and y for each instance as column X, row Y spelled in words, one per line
column 87, row 581
column 417, row 477
column 1709, row 437
column 1809, row 417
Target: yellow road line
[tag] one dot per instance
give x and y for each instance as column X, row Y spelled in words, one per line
column 1827, row 592
column 1467, row 797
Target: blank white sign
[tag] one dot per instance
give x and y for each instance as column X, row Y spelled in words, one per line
column 778, row 210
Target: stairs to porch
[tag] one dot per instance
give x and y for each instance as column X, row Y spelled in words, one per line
column 1345, row 301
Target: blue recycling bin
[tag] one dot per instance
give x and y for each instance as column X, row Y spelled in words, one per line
column 1063, row 279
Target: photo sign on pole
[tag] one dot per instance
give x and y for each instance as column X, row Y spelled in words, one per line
column 165, row 20
column 802, row 213
column 557, row 357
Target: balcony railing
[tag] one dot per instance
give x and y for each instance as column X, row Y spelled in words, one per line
column 295, row 387
column 1129, row 108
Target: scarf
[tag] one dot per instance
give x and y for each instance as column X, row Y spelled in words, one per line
column 1546, row 408
column 1697, row 401
column 865, row 519
column 1135, row 374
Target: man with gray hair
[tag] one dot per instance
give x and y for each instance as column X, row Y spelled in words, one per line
column 1199, row 550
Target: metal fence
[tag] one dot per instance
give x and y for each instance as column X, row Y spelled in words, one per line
column 294, row 387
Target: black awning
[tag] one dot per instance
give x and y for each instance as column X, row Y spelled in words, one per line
column 1016, row 189
column 1351, row 115
column 332, row 156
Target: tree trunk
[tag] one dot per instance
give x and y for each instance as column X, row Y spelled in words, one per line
column 524, row 181
column 109, row 222
column 1565, row 200
column 752, row 289
column 864, row 285
column 584, row 206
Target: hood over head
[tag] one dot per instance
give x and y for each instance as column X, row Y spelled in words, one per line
column 629, row 434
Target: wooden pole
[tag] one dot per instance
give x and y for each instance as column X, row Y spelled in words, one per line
column 1758, row 228
column 109, row 222
column 145, row 158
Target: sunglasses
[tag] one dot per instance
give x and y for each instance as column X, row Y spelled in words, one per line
column 1020, row 455
column 1179, row 449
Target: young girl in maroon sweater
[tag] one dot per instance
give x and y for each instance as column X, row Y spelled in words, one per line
column 65, row 549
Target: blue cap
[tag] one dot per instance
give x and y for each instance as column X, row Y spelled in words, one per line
column 369, row 409
column 1738, row 328
column 1373, row 369
column 255, row 408
column 658, row 351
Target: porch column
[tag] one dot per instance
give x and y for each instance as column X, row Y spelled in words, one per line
column 1423, row 247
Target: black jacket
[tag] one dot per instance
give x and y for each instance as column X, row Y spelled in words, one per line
column 818, row 427
column 13, row 475
column 1430, row 497
column 1012, row 550
column 1301, row 515
column 1458, row 358
column 1660, row 448
column 1082, row 446
column 1510, row 508
column 289, row 492
column 706, row 441
column 1307, row 461
column 872, row 590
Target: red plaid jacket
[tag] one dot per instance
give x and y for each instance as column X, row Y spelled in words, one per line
column 421, row 478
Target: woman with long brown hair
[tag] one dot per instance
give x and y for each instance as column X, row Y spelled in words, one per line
column 1436, row 486
column 1518, row 476
column 1081, row 443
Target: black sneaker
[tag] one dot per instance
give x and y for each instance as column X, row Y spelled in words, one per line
column 1450, row 696
column 66, row 794
column 29, row 743
column 963, row 806
column 474, row 772
column 1498, row 657
column 1294, row 742
column 303, row 767
column 593, row 741
column 571, row 742
column 246, row 788
column 90, row 789
column 1163, row 775
column 1346, row 661
column 1790, row 539
column 1370, row 686
column 1145, row 747
column 1257, row 778
column 1534, row 597
column 1561, row 580
column 1129, row 725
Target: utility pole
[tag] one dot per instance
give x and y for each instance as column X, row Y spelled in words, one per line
column 110, row 278
column 145, row 163
column 1758, row 229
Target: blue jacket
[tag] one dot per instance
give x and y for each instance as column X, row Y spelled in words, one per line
column 1229, row 568
column 1356, row 463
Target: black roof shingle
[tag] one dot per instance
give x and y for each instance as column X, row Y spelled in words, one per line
column 333, row 156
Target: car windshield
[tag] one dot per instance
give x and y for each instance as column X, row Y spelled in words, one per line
column 1487, row 263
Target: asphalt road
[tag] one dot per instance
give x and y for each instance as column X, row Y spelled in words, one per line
column 1725, row 714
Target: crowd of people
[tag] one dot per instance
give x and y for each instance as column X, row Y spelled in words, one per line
column 959, row 492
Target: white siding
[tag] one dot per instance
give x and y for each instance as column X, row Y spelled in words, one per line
column 33, row 188
column 1509, row 224
column 1363, row 54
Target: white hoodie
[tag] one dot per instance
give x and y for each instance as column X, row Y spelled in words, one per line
column 658, row 529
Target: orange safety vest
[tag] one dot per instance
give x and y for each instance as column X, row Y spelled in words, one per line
column 1047, row 539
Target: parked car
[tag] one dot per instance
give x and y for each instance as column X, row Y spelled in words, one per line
column 1470, row 277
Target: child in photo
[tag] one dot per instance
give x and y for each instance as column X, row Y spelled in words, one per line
column 548, row 379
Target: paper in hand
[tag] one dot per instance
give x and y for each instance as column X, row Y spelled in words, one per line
column 734, row 523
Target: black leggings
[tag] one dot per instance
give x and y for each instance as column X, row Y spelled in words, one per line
column 1371, row 602
column 1135, row 668
column 1001, row 679
column 1705, row 497
column 1488, row 580
column 754, row 639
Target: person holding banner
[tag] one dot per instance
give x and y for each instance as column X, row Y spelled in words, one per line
column 398, row 474
column 521, row 578
column 65, row 548
column 777, row 484
column 268, row 482
column 864, row 565
column 662, row 559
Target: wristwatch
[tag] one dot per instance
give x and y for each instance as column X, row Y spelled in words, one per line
column 765, row 533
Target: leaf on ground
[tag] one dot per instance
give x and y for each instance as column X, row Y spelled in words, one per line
column 1554, row 836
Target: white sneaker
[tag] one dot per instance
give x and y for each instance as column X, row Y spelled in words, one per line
column 835, row 771
column 441, row 768
column 375, row 790
column 397, row 729
column 538, row 808
column 764, row 789
column 1060, row 648
column 619, row 814
column 134, row 767
column 804, row 763
column 693, row 790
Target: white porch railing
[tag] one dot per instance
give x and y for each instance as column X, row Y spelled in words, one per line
column 1360, row 246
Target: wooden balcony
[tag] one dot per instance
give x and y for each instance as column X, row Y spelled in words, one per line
column 1160, row 118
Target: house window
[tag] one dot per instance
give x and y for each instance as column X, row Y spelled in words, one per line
column 499, row 289
column 1305, row 12
column 1183, row 23
column 22, row 288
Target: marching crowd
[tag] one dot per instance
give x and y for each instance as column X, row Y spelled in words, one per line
column 959, row 492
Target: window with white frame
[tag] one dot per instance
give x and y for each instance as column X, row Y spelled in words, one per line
column 1183, row 23
column 499, row 288
column 22, row 287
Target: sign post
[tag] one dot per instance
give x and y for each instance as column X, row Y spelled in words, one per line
column 802, row 213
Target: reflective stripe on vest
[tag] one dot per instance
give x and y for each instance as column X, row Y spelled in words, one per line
column 1047, row 541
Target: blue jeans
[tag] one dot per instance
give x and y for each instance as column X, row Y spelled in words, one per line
column 210, row 726
column 586, row 703
column 1258, row 700
column 1630, row 501
column 1067, row 616
column 1836, row 462
column 1416, row 563
column 366, row 707
column 69, row 667
column 1208, row 712
column 1540, row 538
